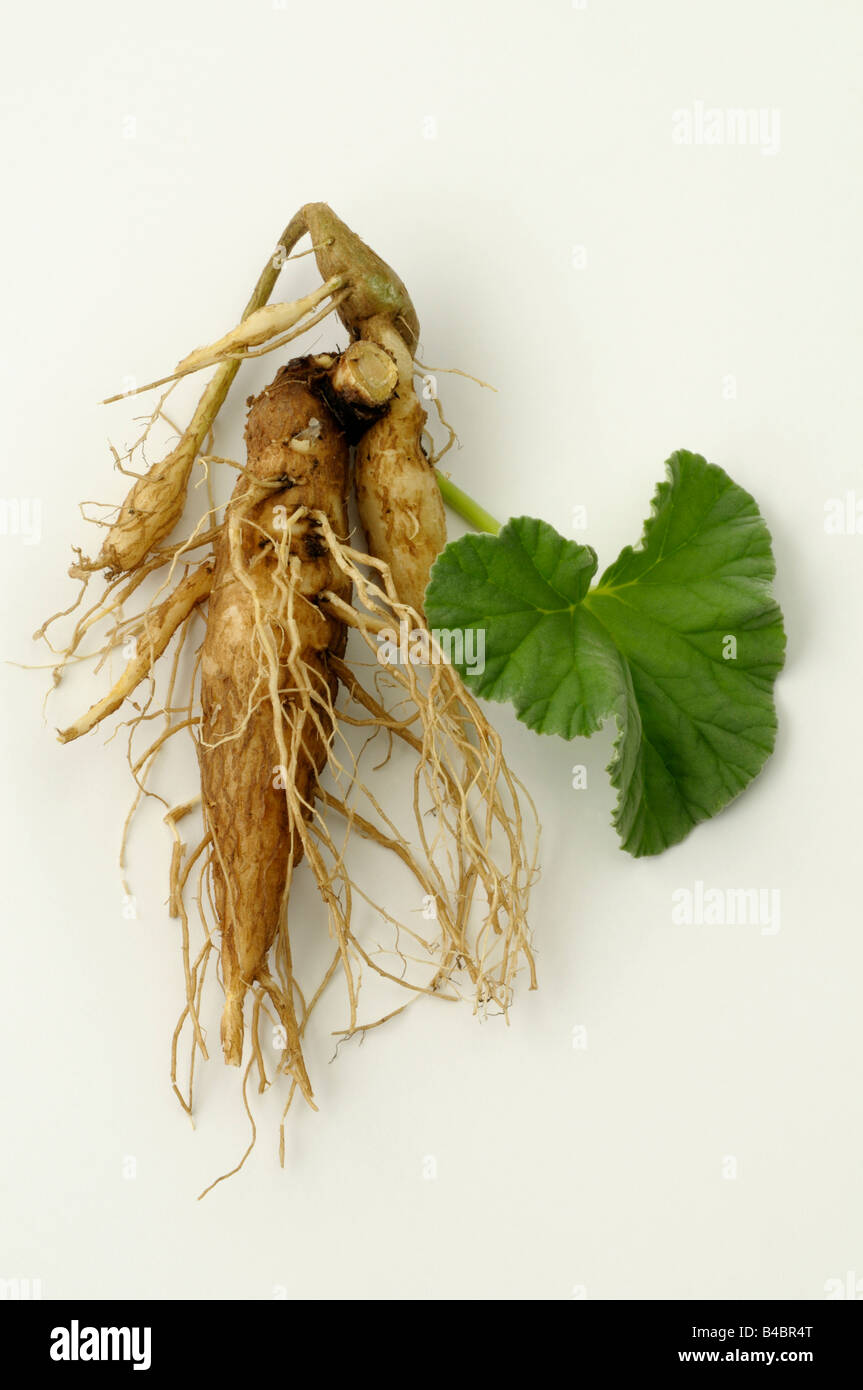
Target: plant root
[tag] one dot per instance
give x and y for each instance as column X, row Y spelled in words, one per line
column 460, row 830
column 157, row 629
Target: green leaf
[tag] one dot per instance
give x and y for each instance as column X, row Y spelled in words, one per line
column 680, row 642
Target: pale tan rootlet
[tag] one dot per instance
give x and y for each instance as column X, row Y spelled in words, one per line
column 157, row 627
column 275, row 709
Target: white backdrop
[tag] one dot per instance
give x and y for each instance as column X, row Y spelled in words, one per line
column 628, row 290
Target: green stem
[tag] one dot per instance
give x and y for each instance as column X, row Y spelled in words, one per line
column 470, row 511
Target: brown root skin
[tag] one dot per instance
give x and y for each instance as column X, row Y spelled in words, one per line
column 375, row 287
column 356, row 384
column 263, row 623
column 399, row 501
column 158, row 627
